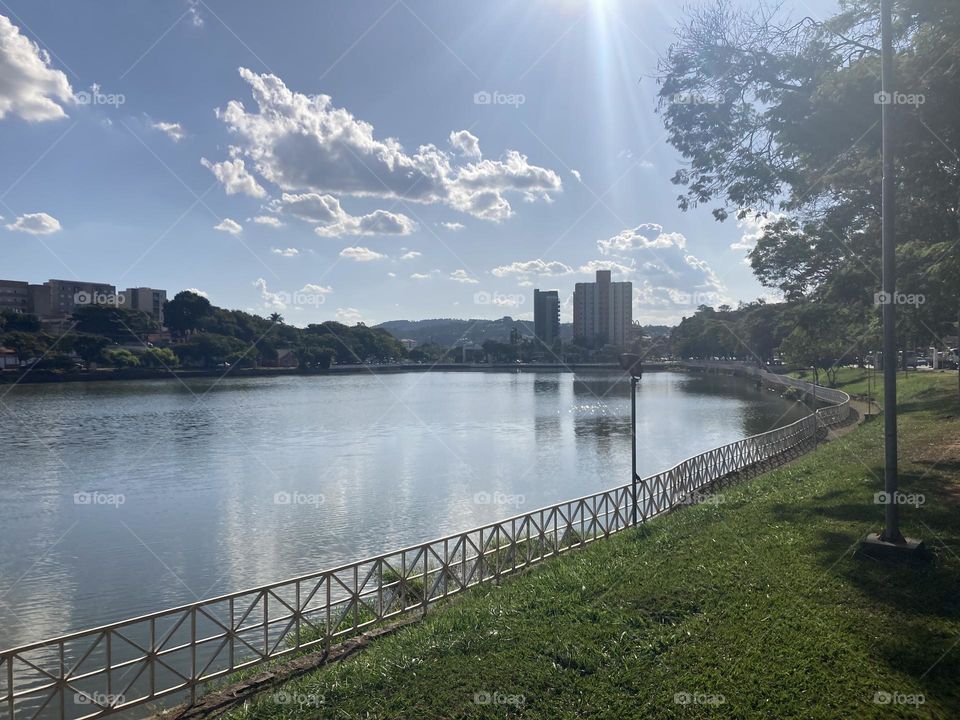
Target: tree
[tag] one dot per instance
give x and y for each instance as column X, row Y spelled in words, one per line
column 186, row 312
column 121, row 358
column 159, row 358
column 778, row 122
column 208, row 349
column 26, row 345
column 118, row 324
column 90, row 348
column 276, row 318
column 11, row 320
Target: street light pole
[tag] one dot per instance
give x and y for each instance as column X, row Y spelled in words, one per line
column 633, row 365
column 890, row 542
column 891, row 530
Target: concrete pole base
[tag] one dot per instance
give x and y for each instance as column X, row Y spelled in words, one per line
column 910, row 550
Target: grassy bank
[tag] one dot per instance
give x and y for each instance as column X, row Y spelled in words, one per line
column 750, row 607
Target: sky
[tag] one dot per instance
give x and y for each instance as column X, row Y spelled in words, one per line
column 354, row 161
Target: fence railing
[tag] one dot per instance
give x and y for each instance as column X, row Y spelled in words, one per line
column 173, row 654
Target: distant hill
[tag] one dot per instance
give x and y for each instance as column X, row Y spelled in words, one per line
column 449, row 331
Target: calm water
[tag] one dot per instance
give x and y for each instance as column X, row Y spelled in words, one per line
column 123, row 498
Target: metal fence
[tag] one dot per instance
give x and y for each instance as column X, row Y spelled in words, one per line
column 175, row 653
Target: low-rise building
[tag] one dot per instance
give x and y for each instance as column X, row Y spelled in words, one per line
column 148, row 300
column 14, row 295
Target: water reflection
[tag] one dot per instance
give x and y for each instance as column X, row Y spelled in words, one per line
column 391, row 460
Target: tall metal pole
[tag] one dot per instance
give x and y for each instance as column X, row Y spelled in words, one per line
column 891, row 530
column 633, row 443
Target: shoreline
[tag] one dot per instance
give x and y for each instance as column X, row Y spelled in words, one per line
column 34, row 377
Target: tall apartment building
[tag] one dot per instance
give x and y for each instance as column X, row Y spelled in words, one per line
column 148, row 300
column 14, row 295
column 546, row 315
column 603, row 310
column 63, row 297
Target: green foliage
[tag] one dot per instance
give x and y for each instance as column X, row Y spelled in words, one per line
column 186, row 312
column 120, row 358
column 777, row 119
column 208, row 349
column 117, row 324
column 157, row 357
column 11, row 320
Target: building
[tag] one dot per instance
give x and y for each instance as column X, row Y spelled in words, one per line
column 546, row 316
column 14, row 295
column 148, row 300
column 60, row 298
column 603, row 311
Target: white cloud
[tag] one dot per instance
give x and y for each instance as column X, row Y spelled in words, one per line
column 576, row 174
column 305, row 144
column 235, row 177
column 285, row 252
column 197, row 291
column 229, row 226
column 172, row 130
column 461, row 276
column 29, row 87
column 411, row 255
column 424, row 276
column 334, row 221
column 525, row 268
column 452, row 226
column 349, row 316
column 39, row 223
column 615, row 268
column 391, row 274
column 642, row 237
column 272, row 301
column 310, row 295
column 268, row 220
column 466, row 144
column 361, row 254
column 753, row 229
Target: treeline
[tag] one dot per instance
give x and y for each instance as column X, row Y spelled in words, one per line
column 779, row 122
column 200, row 335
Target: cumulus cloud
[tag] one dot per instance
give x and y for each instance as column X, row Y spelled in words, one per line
column 235, row 177
column 361, row 254
column 669, row 281
column 461, row 276
column 172, row 130
column 411, row 255
column 753, row 228
column 305, row 144
column 466, row 144
column 333, row 221
column 526, row 268
column 424, row 276
column 268, row 220
column 39, row 223
column 229, row 226
column 642, row 237
column 29, row 87
column 310, row 295
column 452, row 226
column 286, row 252
column 576, row 174
column 197, row 291
column 349, row 316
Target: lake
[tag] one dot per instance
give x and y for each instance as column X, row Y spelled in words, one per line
column 122, row 498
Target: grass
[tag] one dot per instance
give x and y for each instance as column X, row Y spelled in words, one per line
column 758, row 602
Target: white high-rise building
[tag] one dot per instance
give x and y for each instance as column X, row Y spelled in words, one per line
column 603, row 310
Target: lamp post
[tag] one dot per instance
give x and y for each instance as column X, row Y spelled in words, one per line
column 633, row 365
column 891, row 541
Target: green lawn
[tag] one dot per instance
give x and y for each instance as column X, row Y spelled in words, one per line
column 752, row 607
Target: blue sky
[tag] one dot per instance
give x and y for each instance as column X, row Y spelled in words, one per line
column 352, row 160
